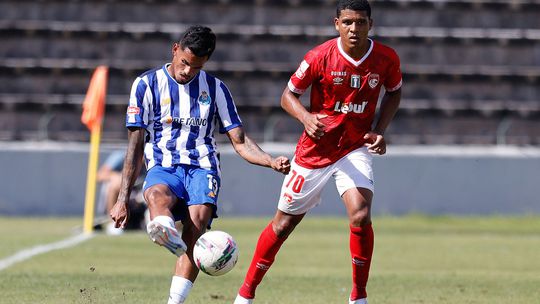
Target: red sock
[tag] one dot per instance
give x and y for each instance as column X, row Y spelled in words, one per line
column 265, row 253
column 361, row 246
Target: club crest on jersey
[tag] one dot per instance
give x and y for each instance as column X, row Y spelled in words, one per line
column 373, row 80
column 355, row 81
column 204, row 98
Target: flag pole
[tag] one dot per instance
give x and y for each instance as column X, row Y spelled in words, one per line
column 91, row 181
column 92, row 117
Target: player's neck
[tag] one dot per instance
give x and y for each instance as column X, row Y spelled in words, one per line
column 358, row 51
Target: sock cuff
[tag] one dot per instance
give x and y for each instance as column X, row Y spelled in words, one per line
column 360, row 229
column 270, row 233
column 180, row 285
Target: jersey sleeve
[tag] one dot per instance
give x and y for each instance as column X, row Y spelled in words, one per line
column 394, row 80
column 140, row 101
column 304, row 75
column 227, row 114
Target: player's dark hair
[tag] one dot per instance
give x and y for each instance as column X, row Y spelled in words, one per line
column 355, row 5
column 200, row 40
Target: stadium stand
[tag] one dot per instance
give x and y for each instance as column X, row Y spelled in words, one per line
column 471, row 67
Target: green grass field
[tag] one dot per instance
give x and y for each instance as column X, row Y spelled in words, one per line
column 417, row 260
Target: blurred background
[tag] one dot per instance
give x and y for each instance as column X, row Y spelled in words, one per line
column 471, row 73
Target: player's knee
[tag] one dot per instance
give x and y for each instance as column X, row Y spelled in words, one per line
column 157, row 198
column 283, row 227
column 360, row 218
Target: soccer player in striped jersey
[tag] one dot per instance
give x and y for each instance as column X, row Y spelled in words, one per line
column 346, row 75
column 172, row 114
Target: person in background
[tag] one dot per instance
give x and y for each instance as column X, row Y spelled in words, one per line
column 109, row 175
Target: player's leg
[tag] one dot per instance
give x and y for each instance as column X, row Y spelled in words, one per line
column 158, row 193
column 270, row 240
column 358, row 204
column 202, row 188
column 354, row 180
column 299, row 193
column 186, row 271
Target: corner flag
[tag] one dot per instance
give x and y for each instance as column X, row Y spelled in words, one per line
column 92, row 117
column 94, row 103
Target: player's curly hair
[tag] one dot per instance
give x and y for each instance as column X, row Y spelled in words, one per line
column 355, row 5
column 200, row 40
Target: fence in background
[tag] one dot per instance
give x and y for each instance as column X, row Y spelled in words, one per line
column 46, row 179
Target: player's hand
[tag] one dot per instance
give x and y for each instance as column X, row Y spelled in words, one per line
column 281, row 164
column 313, row 125
column 120, row 214
column 375, row 143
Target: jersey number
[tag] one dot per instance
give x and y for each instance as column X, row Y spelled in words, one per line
column 298, row 182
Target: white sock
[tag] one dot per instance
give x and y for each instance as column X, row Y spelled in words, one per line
column 241, row 300
column 165, row 221
column 179, row 291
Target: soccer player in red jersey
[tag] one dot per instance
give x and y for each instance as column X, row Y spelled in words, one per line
column 346, row 75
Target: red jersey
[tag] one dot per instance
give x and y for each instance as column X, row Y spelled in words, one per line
column 347, row 91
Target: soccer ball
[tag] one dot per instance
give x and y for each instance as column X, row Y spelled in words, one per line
column 215, row 253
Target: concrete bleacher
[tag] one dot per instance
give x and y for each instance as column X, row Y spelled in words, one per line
column 471, row 63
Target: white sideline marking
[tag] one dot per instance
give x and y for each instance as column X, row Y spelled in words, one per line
column 36, row 250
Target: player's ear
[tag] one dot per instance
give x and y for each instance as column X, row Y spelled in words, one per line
column 336, row 24
column 370, row 23
column 175, row 48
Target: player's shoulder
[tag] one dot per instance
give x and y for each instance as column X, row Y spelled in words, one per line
column 383, row 50
column 149, row 73
column 211, row 79
column 322, row 50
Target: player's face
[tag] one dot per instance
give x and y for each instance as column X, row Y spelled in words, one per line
column 353, row 28
column 185, row 65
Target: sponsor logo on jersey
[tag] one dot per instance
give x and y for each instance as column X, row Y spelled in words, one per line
column 301, row 71
column 204, row 98
column 350, row 107
column 165, row 102
column 373, row 80
column 131, row 110
column 338, row 73
column 355, row 81
column 338, row 80
column 186, row 121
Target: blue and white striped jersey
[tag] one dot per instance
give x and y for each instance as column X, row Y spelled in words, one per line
column 180, row 119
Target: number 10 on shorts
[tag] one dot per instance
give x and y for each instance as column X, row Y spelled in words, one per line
column 298, row 182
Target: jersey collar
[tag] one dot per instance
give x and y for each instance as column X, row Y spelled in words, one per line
column 349, row 58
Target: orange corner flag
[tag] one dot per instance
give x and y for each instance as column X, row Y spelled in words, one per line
column 94, row 102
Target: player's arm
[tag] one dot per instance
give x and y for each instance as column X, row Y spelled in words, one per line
column 389, row 106
column 132, row 166
column 250, row 151
column 290, row 102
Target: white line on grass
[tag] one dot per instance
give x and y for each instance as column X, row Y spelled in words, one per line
column 30, row 252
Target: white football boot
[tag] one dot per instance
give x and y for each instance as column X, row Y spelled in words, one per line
column 241, row 300
column 166, row 237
